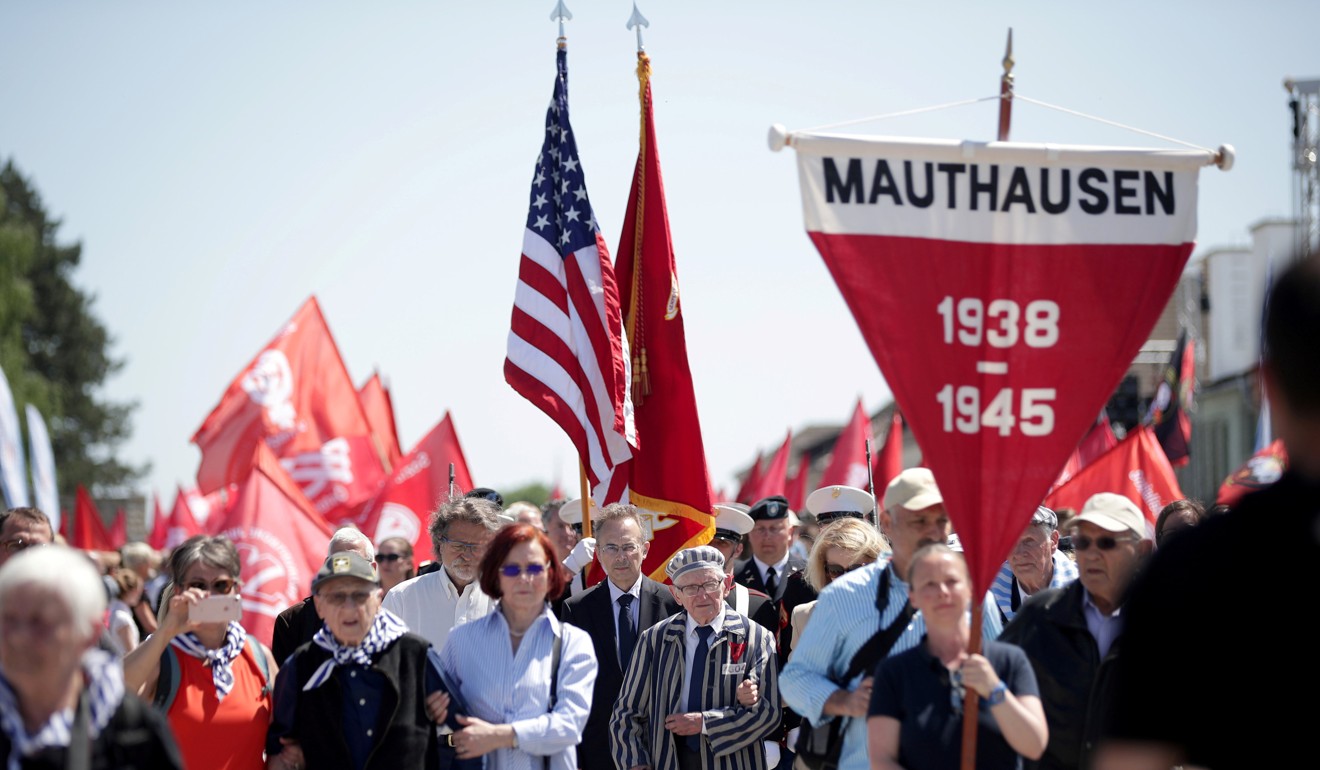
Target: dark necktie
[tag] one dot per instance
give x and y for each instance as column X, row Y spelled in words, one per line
column 696, row 679
column 770, row 584
column 627, row 633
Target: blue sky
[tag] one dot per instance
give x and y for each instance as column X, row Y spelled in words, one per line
column 220, row 162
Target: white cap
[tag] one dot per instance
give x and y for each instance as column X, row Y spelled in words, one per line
column 732, row 521
column 829, row 503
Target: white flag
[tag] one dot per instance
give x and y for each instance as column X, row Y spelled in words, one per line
column 12, row 476
column 42, row 462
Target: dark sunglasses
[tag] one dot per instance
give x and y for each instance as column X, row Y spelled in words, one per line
column 390, row 558
column 515, row 570
column 1104, row 542
column 221, row 586
column 835, row 571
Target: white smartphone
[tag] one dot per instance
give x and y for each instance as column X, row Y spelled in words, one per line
column 217, row 609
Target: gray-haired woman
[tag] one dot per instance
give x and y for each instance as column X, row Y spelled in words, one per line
column 62, row 699
column 217, row 696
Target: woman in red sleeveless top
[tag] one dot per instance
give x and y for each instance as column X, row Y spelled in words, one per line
column 220, row 708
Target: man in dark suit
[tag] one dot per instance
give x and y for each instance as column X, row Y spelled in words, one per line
column 771, row 569
column 615, row 613
column 732, row 524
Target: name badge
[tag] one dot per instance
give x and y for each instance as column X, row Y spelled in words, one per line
column 731, row 669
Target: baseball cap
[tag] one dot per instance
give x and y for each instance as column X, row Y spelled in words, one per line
column 913, row 489
column 345, row 564
column 1112, row 512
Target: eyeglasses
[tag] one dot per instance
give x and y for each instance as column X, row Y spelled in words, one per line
column 390, row 558
column 19, row 544
column 221, row 586
column 709, row 587
column 1104, row 542
column 356, row 598
column 466, row 548
column 515, row 570
column 835, row 572
column 628, row 549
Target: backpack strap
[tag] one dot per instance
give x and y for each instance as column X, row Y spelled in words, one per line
column 167, row 684
column 263, row 664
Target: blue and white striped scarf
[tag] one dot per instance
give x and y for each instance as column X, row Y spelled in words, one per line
column 220, row 660
column 1065, row 572
column 384, row 629
column 104, row 691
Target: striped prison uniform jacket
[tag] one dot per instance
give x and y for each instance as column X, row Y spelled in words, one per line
column 652, row 690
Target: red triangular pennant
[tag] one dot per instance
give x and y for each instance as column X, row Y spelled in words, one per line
column 848, row 462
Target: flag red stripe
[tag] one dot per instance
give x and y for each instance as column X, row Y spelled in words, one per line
column 539, row 336
column 604, row 351
column 543, row 282
column 534, row 390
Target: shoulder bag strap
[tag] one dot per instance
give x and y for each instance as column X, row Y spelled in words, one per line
column 556, row 652
column 79, row 756
column 879, row 645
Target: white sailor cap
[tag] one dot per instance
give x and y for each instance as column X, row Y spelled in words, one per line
column 732, row 521
column 689, row 559
column 571, row 512
column 837, row 502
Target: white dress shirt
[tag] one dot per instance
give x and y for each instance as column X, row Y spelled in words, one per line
column 763, row 568
column 432, row 606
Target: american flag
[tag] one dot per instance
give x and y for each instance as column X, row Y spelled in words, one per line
column 567, row 352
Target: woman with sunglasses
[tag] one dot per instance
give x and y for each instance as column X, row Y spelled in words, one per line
column 504, row 664
column 394, row 557
column 840, row 547
column 917, row 699
column 217, row 683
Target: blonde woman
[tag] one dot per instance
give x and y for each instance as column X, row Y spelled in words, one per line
column 841, row 547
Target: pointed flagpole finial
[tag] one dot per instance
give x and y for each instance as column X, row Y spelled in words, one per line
column 561, row 14
column 1006, row 91
column 1008, row 53
column 637, row 20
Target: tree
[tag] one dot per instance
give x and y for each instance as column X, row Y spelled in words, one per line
column 53, row 349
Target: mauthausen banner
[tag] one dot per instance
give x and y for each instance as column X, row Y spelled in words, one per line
column 1003, row 289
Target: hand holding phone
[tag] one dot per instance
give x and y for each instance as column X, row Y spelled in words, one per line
column 221, row 608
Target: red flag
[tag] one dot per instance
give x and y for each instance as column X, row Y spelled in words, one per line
column 420, row 482
column 667, row 476
column 297, row 398
column 750, row 483
column 847, row 466
column 796, row 490
column 160, row 524
column 567, row 353
column 775, row 478
column 66, row 524
column 982, row 276
column 888, row 463
column 379, row 408
column 1173, row 398
column 89, row 532
column 1136, row 468
column 1098, row 440
column 118, row 530
column 1263, row 469
column 182, row 523
column 281, row 541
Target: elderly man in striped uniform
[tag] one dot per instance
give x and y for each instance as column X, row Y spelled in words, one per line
column 679, row 709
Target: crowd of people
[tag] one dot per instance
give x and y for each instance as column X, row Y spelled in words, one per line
column 1094, row 649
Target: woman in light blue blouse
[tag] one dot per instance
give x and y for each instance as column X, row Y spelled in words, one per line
column 501, row 664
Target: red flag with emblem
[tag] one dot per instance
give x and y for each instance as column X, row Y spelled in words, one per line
column 750, row 482
column 379, row 408
column 1135, row 468
column 296, row 398
column 118, row 529
column 775, row 478
column 419, row 483
column 281, row 542
column 888, row 462
column 1263, row 469
column 160, row 524
column 89, row 532
column 182, row 523
column 982, row 275
column 667, row 476
column 796, row 489
column 847, row 466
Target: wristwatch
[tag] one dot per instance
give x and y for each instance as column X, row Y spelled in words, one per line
column 997, row 695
